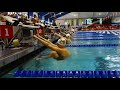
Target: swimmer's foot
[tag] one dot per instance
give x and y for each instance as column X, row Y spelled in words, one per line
column 42, row 58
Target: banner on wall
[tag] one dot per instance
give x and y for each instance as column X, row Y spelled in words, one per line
column 6, row 31
column 80, row 21
column 70, row 22
column 41, row 31
column 89, row 21
column 74, row 22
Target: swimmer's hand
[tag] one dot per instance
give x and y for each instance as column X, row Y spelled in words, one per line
column 39, row 36
column 55, row 33
column 35, row 36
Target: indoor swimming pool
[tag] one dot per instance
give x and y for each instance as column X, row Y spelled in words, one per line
column 82, row 58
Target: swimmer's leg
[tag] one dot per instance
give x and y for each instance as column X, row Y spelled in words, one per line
column 42, row 58
column 53, row 54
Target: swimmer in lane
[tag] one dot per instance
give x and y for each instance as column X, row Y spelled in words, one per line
column 70, row 32
column 67, row 37
column 59, row 52
column 67, row 34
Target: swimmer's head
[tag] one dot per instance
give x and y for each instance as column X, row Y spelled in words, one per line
column 46, row 36
column 72, row 30
column 67, row 35
column 61, row 42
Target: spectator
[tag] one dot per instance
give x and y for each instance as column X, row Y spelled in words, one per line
column 35, row 19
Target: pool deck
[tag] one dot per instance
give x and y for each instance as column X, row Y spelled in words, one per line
column 11, row 54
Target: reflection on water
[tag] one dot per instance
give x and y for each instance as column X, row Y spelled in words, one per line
column 110, row 62
column 37, row 64
column 101, row 63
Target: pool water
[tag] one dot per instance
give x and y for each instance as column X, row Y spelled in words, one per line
column 82, row 58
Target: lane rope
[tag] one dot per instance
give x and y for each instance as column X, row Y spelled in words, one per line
column 94, row 45
column 78, row 39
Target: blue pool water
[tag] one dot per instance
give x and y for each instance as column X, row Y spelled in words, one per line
column 82, row 58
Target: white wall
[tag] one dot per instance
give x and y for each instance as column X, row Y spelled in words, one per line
column 24, row 13
column 116, row 20
column 69, row 15
column 62, row 22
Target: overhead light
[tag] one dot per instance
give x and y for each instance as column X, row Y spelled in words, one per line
column 42, row 20
column 99, row 13
column 66, row 23
column 59, row 13
column 20, row 13
column 74, row 15
column 8, row 13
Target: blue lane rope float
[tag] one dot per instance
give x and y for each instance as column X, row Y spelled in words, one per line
column 93, row 36
column 77, row 39
column 67, row 74
column 94, row 45
column 94, row 32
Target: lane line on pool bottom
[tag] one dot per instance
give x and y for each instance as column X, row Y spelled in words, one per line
column 94, row 45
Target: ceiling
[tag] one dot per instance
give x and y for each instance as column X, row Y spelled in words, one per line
column 50, row 15
column 87, row 15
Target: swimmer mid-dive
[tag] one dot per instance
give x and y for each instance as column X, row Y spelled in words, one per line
column 67, row 37
column 59, row 52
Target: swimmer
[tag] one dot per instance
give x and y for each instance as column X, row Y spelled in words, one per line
column 67, row 37
column 46, row 37
column 71, row 32
column 48, row 41
column 59, row 52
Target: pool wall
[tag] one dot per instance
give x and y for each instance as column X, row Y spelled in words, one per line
column 12, row 61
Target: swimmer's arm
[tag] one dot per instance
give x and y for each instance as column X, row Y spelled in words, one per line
column 44, row 42
column 60, row 36
column 66, row 32
column 55, row 48
column 63, row 33
column 44, row 39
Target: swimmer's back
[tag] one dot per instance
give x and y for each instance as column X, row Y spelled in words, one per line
column 64, row 53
